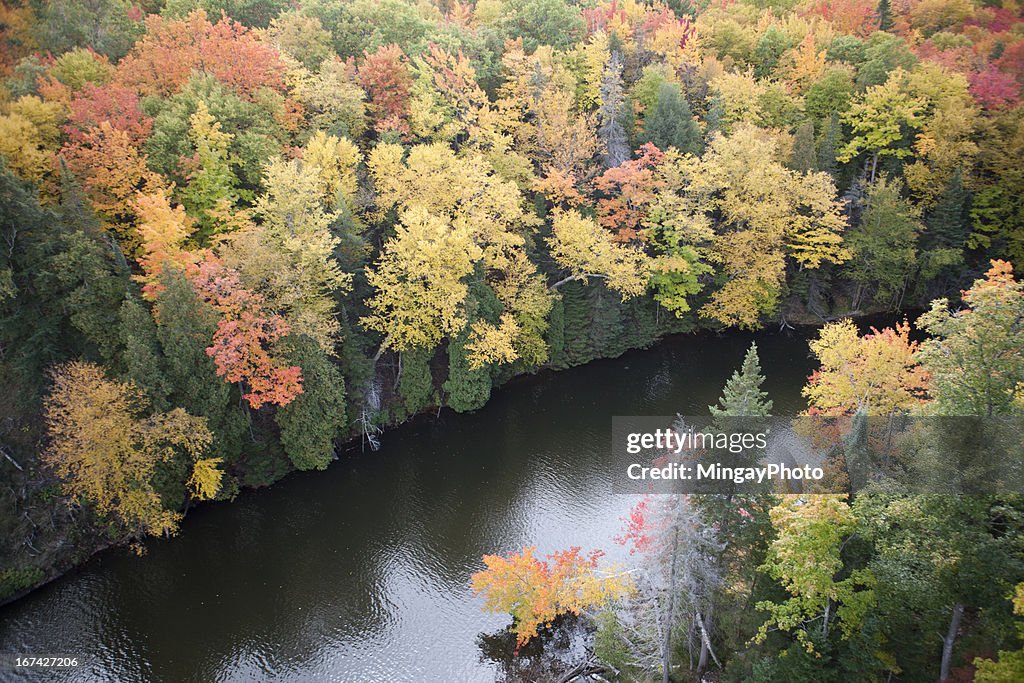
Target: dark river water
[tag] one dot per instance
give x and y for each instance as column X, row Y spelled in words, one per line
column 361, row 572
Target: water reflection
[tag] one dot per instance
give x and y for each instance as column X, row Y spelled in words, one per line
column 361, row 573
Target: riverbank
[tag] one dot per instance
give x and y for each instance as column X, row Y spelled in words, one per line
column 361, row 572
column 66, row 537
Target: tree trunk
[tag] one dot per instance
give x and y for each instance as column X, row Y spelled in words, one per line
column 571, row 278
column 824, row 622
column 706, row 644
column 666, row 652
column 949, row 639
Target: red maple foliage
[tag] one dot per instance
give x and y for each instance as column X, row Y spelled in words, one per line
column 385, row 77
column 994, row 89
column 173, row 49
column 241, row 345
column 116, row 105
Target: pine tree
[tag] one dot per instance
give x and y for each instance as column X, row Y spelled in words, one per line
column 670, row 123
column 742, row 395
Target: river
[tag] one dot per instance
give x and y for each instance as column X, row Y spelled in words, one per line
column 361, row 572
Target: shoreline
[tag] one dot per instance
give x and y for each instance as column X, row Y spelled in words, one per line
column 354, row 442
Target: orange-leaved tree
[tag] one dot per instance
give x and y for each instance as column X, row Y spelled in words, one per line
column 243, row 343
column 877, row 374
column 536, row 591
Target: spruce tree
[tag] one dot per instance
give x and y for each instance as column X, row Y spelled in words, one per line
column 742, row 396
column 884, row 14
column 670, row 123
column 947, row 221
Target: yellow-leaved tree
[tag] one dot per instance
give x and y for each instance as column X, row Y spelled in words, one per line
column 457, row 216
column 877, row 374
column 419, row 287
column 765, row 216
column 105, row 445
column 587, row 250
column 536, row 591
column 288, row 256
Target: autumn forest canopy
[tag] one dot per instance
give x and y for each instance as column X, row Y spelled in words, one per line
column 234, row 233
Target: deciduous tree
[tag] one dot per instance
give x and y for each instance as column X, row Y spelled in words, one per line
column 536, row 591
column 106, row 448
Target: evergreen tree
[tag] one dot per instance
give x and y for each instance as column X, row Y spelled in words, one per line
column 802, row 158
column 670, row 123
column 641, row 327
column 769, row 49
column 947, row 221
column 416, row 385
column 828, row 145
column 555, row 336
column 467, row 389
column 311, row 422
column 716, row 114
column 141, row 356
column 93, row 285
column 578, row 346
column 742, row 395
column 606, row 328
column 884, row 14
column 185, row 329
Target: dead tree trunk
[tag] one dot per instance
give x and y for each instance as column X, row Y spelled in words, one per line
column 949, row 639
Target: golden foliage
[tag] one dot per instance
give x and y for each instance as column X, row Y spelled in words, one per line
column 105, row 446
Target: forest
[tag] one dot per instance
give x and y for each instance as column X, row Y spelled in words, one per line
column 236, row 233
